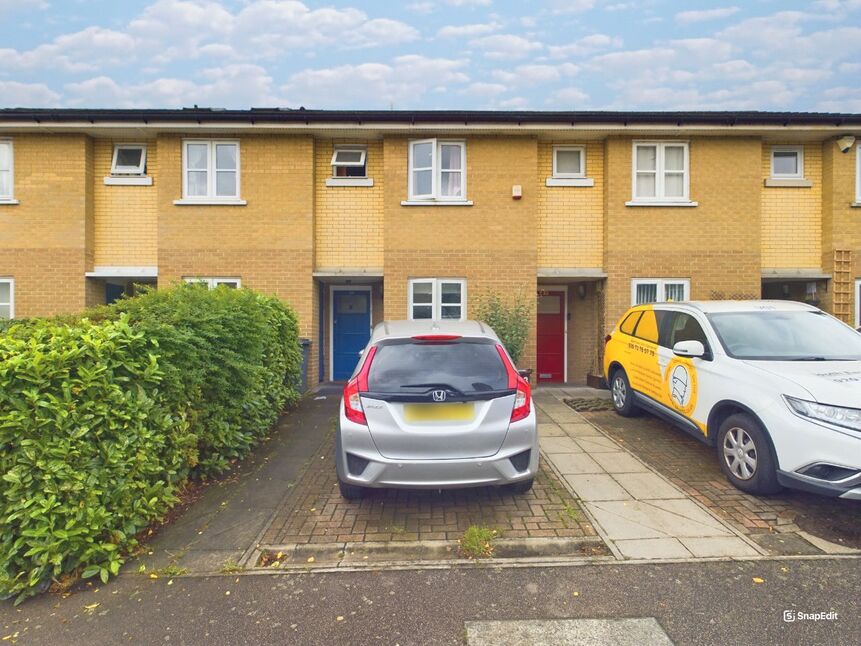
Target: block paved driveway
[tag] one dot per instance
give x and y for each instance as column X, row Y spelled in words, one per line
column 788, row 523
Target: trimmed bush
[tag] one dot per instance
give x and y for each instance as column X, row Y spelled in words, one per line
column 103, row 419
column 509, row 319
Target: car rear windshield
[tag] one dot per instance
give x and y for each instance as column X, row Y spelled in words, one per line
column 416, row 367
column 786, row 336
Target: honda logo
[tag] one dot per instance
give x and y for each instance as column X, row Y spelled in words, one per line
column 439, row 395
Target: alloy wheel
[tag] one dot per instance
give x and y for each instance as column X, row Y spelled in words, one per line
column 620, row 392
column 739, row 452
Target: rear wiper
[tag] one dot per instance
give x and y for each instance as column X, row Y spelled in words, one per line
column 435, row 385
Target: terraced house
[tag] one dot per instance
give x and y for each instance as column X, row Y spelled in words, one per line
column 354, row 217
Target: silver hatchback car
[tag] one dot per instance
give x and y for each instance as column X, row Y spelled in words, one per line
column 435, row 405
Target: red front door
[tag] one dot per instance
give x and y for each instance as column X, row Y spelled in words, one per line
column 551, row 336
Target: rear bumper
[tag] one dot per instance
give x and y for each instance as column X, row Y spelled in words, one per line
column 382, row 472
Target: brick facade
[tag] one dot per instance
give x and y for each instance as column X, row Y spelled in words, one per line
column 296, row 236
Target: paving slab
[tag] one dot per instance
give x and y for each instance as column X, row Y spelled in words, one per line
column 575, row 463
column 646, row 486
column 549, row 429
column 716, row 546
column 580, row 429
column 598, row 444
column 641, row 519
column 567, row 632
column 559, row 445
column 653, row 548
column 597, row 486
column 620, row 462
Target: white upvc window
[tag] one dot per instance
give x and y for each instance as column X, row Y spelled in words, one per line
column 349, row 161
column 659, row 290
column 787, row 162
column 212, row 283
column 210, row 170
column 437, row 170
column 858, row 303
column 437, row 299
column 7, row 298
column 7, row 168
column 858, row 173
column 660, row 172
column 129, row 159
column 569, row 162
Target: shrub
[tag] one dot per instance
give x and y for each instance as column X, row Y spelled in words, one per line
column 510, row 320
column 103, row 418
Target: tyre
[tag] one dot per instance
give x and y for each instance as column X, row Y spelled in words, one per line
column 518, row 488
column 745, row 455
column 622, row 395
column 351, row 492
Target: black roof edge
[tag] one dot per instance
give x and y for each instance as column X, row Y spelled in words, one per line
column 302, row 115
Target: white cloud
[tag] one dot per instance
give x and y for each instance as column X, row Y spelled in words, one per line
column 526, row 75
column 11, row 6
column 467, row 31
column 586, row 45
column 77, row 52
column 840, row 99
column 468, row 3
column 29, row 95
column 570, row 98
column 230, row 86
column 505, row 46
column 700, row 15
column 485, row 89
column 403, row 83
column 570, row 6
column 421, row 7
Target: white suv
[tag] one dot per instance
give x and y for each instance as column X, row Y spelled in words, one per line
column 774, row 385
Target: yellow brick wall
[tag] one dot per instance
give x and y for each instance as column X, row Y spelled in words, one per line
column 715, row 244
column 126, row 217
column 43, row 239
column 348, row 220
column 791, row 217
column 571, row 218
column 491, row 244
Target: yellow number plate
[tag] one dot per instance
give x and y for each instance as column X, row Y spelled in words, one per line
column 459, row 412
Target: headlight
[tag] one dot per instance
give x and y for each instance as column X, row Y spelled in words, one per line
column 837, row 415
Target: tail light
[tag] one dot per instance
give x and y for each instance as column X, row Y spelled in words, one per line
column 607, row 338
column 522, row 394
column 437, row 337
column 355, row 387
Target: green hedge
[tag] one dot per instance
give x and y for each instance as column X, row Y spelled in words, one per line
column 103, row 418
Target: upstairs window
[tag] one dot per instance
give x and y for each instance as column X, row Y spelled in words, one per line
column 7, row 298
column 210, row 170
column 437, row 170
column 349, row 162
column 660, row 172
column 129, row 159
column 659, row 290
column 569, row 162
column 6, row 168
column 437, row 299
column 787, row 162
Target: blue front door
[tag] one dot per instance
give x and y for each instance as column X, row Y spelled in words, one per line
column 351, row 329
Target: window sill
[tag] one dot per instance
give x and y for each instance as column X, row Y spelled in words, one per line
column 194, row 202
column 132, row 180
column 570, row 181
column 774, row 182
column 9, row 201
column 349, row 181
column 661, row 203
column 436, row 203
column 856, row 204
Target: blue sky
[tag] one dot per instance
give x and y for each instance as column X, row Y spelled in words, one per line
column 433, row 54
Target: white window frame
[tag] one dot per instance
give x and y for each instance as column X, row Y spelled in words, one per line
column 581, row 174
column 211, row 169
column 659, row 197
column 436, row 171
column 798, row 150
column 661, row 284
column 212, row 282
column 139, row 170
column 858, row 174
column 436, row 298
column 11, row 303
column 362, row 150
column 10, row 198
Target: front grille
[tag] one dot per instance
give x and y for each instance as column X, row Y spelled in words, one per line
column 520, row 462
column 829, row 472
column 356, row 465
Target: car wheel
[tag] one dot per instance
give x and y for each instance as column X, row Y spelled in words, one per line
column 518, row 488
column 745, row 455
column 351, row 492
column 622, row 395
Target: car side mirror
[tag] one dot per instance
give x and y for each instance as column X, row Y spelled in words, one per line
column 692, row 349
